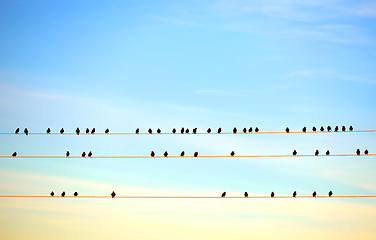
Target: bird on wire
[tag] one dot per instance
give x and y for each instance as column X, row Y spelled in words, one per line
column 294, row 153
column 75, row 194
column 52, row 194
column 287, row 130
column 304, row 129
column 366, row 152
column 327, row 153
column 272, row 194
column 330, row 193
column 83, row 154
column 150, row 131
column 17, row 131
column 329, row 128
column 165, row 154
column 90, row 154
column 113, row 194
column 137, row 131
column 250, row 129
column 173, row 130
column 62, row 131
column 194, row 130
column 358, row 152
column 159, row 131
column 322, row 129
column 87, row 131
column 93, row 131
column 187, row 130
column 195, row 154
column 224, row 194
column 351, row 128
column 232, row 154
column 107, row 131
column 14, row 154
column 245, row 194
column 244, row 130
column 234, row 131
column 219, row 130
column 78, row 131
column 314, row 129
column 314, row 194
column 26, row 131
column 294, row 194
column 152, row 154
column 343, row 128
column 63, row 194
column 48, row 131
column 257, row 129
column 209, row 130
column 182, row 130
column 67, row 154
column 317, row 153
column 182, row 154
column 336, row 129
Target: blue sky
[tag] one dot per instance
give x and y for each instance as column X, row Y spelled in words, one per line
column 139, row 64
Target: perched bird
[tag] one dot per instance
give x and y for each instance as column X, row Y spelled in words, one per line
column 234, row 131
column 61, row 130
column 256, row 129
column 330, row 193
column 245, row 194
column 174, row 130
column 272, row 194
column 366, row 152
column 209, row 130
column 294, row 194
column 182, row 130
column 304, row 129
column 287, row 130
column 137, row 131
column 52, row 194
column 113, row 194
column 351, row 128
column 93, row 131
column 182, row 154
column 63, row 194
column 224, row 194
column 314, row 129
column 219, row 130
column 294, row 153
column 232, row 153
column 314, row 194
column 195, row 154
column 317, row 153
column 194, row 130
column 87, row 131
column 83, row 154
column 329, row 128
column 165, row 154
column 48, row 131
column 152, row 154
column 17, row 131
column 327, row 153
column 150, row 131
column 26, row 131
column 75, row 194
column 159, row 130
column 187, row 130
column 336, row 129
column 244, row 130
column 14, row 154
column 67, row 154
column 322, row 129
column 358, row 152
column 343, row 128
column 250, row 129
column 107, row 131
column 78, row 131
column 90, row 154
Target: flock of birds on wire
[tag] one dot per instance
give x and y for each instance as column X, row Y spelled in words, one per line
column 194, row 130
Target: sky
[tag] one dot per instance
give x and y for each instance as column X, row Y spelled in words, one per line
column 165, row 64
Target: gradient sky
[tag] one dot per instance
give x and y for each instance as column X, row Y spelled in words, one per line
column 147, row 64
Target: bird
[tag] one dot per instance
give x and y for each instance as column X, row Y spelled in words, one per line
column 17, row 131
column 358, row 152
column 78, row 131
column 245, row 194
column 152, row 154
column 294, row 194
column 93, row 131
column 174, row 130
column 294, row 153
column 187, row 130
column 137, row 131
column 209, row 130
column 14, row 154
column 107, row 131
column 272, row 194
column 336, row 129
column 256, row 129
column 159, row 130
column 314, row 194
column 329, row 128
column 182, row 130
column 194, row 130
column 232, row 154
column 165, row 154
column 234, row 131
column 113, row 194
column 366, row 152
column 26, row 131
column 287, row 130
column 327, row 153
column 63, row 194
column 314, row 129
column 330, row 193
column 244, row 130
column 61, row 130
column 48, row 131
column 83, row 154
column 90, row 154
column 182, row 154
column 67, row 154
column 343, row 128
column 52, row 193
column 351, row 128
column 75, row 194
column 224, row 194
column 322, row 129
column 150, row 131
column 219, row 130
column 317, row 153
column 250, row 129
column 87, row 131
column 304, row 129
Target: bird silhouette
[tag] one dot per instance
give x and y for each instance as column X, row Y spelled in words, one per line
column 26, row 131
column 61, row 130
column 336, row 129
column 174, row 130
column 250, row 129
column 272, row 194
column 187, row 130
column 52, row 194
column 14, row 154
column 78, row 131
column 327, row 153
column 195, row 154
column 343, row 128
column 358, row 152
column 182, row 130
column 232, row 154
column 165, row 154
column 351, row 128
column 150, row 131
column 83, row 154
column 314, row 129
column 330, row 193
column 257, row 129
column 329, row 128
column 317, row 153
column 366, row 152
column 63, row 194
column 245, row 194
column 322, row 129
column 294, row 153
column 304, row 129
column 219, row 130
column 107, row 131
column 209, row 130
column 17, row 131
column 182, row 154
column 90, row 154
column 159, row 130
column 137, row 131
column 194, row 130
column 224, row 194
column 294, row 194
column 93, row 131
column 244, row 130
column 67, row 154
column 48, row 131
column 113, row 194
column 87, row 131
column 152, row 154
column 75, row 194
column 234, row 131
column 287, row 130
column 314, row 194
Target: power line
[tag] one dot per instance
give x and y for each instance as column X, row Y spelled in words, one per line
column 179, row 197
